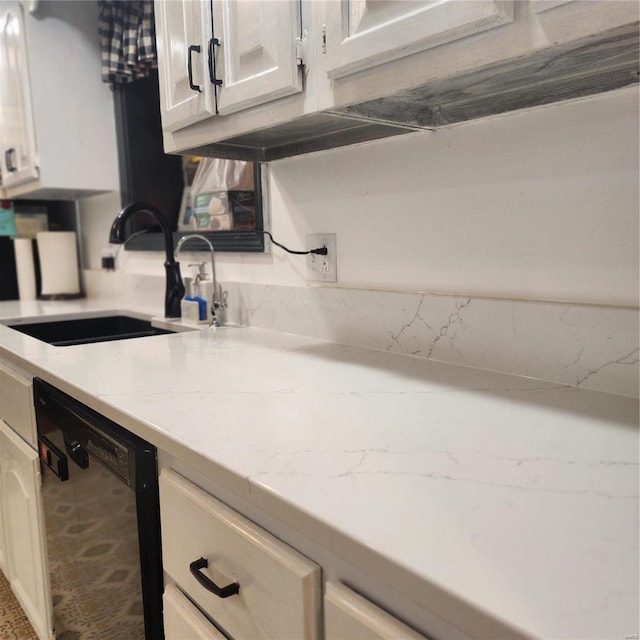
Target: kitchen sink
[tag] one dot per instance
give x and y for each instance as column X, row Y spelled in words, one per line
column 84, row 330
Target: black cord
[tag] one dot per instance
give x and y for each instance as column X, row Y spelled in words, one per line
column 321, row 251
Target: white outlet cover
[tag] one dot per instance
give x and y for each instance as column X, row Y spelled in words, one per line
column 322, row 268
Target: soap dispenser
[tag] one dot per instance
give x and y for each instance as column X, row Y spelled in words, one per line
column 194, row 304
column 202, row 286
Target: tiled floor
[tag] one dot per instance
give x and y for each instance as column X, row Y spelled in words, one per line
column 13, row 623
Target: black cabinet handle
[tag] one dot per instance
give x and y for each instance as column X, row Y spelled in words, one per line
column 192, row 48
column 9, row 159
column 214, row 42
column 222, row 592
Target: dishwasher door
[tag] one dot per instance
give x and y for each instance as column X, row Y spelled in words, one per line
column 94, row 561
column 100, row 498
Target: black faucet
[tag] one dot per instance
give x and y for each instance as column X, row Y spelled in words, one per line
column 174, row 287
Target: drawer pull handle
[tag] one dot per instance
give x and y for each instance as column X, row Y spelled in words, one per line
column 222, row 592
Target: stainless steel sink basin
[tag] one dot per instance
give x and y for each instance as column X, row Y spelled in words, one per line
column 85, row 330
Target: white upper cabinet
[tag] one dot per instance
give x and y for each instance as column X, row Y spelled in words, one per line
column 57, row 125
column 183, row 31
column 376, row 68
column 364, row 33
column 224, row 56
column 256, row 59
column 17, row 136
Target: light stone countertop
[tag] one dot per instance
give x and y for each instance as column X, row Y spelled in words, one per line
column 517, row 497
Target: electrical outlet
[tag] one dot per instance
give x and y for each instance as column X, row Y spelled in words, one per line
column 108, row 259
column 322, row 268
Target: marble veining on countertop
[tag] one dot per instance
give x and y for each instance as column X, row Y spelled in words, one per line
column 518, row 496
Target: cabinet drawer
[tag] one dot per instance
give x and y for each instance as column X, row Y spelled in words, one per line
column 16, row 404
column 183, row 621
column 279, row 589
column 349, row 616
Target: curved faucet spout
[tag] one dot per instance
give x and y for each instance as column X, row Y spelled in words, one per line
column 117, row 233
column 218, row 301
column 174, row 291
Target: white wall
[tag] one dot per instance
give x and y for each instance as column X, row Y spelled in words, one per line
column 540, row 204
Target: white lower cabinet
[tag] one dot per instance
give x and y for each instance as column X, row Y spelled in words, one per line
column 183, row 620
column 25, row 543
column 16, row 403
column 252, row 584
column 349, row 616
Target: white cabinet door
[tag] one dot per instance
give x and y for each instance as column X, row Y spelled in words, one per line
column 349, row 616
column 183, row 32
column 183, row 621
column 256, row 58
column 17, row 137
column 16, row 403
column 28, row 570
column 273, row 591
column 364, row 33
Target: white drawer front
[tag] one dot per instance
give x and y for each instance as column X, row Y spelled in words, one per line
column 183, row 621
column 279, row 589
column 16, row 404
column 349, row 616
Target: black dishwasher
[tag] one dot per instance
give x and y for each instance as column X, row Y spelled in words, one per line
column 100, row 495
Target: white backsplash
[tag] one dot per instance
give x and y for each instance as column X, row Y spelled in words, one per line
column 590, row 346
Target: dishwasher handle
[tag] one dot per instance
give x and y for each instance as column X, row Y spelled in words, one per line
column 76, row 452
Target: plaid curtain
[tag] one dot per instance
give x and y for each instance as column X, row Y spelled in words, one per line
column 127, row 39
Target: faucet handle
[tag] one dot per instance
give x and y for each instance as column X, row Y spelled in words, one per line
column 217, row 306
column 220, row 302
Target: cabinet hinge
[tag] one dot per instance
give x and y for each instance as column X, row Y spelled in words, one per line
column 301, row 49
column 323, row 38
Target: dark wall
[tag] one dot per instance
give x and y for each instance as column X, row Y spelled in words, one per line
column 8, row 281
column 61, row 216
column 147, row 174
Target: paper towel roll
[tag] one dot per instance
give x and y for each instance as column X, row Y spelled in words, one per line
column 58, row 253
column 25, row 268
